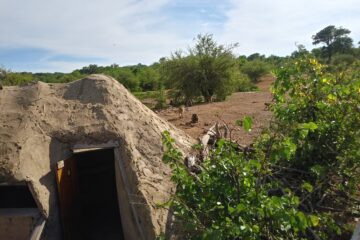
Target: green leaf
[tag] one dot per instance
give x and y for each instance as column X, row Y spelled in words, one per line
column 332, row 97
column 256, row 228
column 314, row 220
column 247, row 123
column 231, row 209
column 307, row 186
column 240, row 207
column 212, row 235
column 318, row 170
column 304, row 133
column 288, row 149
column 302, row 220
column 309, row 126
column 255, row 164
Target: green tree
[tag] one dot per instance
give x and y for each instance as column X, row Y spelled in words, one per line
column 275, row 61
column 242, row 60
column 13, row 78
column 205, row 71
column 301, row 51
column 128, row 79
column 255, row 69
column 255, row 56
column 336, row 40
column 91, row 69
column 149, row 79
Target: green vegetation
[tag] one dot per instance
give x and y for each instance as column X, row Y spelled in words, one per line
column 255, row 69
column 229, row 198
column 145, row 95
column 161, row 98
column 300, row 180
column 207, row 70
column 135, row 78
column 336, row 40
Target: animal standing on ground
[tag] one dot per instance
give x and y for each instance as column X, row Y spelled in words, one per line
column 267, row 106
column 181, row 111
column 194, row 118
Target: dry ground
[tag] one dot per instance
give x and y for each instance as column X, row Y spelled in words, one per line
column 236, row 106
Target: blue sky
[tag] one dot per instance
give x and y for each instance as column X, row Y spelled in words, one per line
column 62, row 35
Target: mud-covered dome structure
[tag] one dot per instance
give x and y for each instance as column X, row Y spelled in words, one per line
column 82, row 158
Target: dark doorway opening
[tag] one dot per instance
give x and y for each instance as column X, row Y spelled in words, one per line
column 100, row 216
column 93, row 211
column 20, row 217
column 16, row 196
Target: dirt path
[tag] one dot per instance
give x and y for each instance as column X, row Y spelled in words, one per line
column 237, row 106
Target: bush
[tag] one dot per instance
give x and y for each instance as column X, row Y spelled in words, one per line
column 346, row 59
column 318, row 113
column 230, row 198
column 300, row 181
column 127, row 78
column 12, row 78
column 161, row 99
column 205, row 71
column 341, row 62
column 149, row 79
column 255, row 69
column 242, row 83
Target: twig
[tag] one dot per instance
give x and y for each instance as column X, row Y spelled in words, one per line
column 291, row 169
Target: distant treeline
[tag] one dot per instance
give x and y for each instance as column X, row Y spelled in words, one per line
column 337, row 51
column 135, row 78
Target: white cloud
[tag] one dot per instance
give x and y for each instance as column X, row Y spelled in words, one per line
column 132, row 31
column 124, row 31
column 273, row 27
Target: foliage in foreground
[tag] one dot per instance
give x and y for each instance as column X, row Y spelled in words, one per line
column 301, row 179
column 318, row 115
column 229, row 198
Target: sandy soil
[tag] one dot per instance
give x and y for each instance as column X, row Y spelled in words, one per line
column 237, row 106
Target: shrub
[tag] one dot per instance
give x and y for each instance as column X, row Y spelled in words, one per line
column 242, row 83
column 255, row 69
column 205, row 71
column 12, row 78
column 318, row 113
column 341, row 62
column 230, row 198
column 127, row 78
column 301, row 179
column 161, row 98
